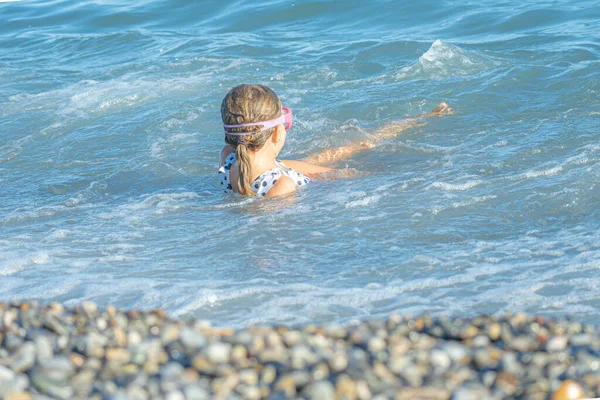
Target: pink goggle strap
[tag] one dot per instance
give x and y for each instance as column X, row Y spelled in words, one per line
column 286, row 118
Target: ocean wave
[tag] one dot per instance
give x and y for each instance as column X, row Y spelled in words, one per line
column 455, row 186
column 366, row 201
column 462, row 204
column 444, row 60
column 93, row 98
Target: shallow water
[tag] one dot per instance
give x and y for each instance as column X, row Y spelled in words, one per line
column 110, row 131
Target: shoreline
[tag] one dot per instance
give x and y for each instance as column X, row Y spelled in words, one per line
column 48, row 351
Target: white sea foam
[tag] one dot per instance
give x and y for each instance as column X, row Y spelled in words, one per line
column 172, row 142
column 461, row 204
column 363, row 202
column 154, row 201
column 58, row 234
column 444, row 60
column 23, row 215
column 261, row 300
column 545, row 172
column 13, row 262
column 423, row 259
column 314, row 302
column 117, row 259
column 101, row 97
column 425, row 148
column 455, row 186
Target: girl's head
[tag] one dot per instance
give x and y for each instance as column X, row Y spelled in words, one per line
column 247, row 104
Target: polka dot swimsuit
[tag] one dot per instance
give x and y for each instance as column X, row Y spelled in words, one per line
column 265, row 181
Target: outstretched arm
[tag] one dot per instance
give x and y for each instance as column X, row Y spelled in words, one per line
column 306, row 168
column 387, row 131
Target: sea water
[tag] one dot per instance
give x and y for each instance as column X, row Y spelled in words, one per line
column 110, row 133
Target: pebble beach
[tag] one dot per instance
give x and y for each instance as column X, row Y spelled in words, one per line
column 443, row 267
column 48, row 351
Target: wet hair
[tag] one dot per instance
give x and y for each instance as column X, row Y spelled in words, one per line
column 245, row 104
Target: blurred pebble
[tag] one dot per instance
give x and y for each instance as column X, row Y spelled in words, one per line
column 321, row 390
column 53, row 352
column 569, row 390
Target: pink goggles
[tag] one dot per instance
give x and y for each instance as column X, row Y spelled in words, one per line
column 286, row 118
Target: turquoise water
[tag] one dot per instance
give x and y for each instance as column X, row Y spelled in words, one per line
column 110, row 132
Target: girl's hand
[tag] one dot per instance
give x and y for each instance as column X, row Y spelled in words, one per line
column 442, row 109
column 343, row 173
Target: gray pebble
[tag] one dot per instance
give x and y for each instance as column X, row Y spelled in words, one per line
column 302, row 356
column 24, row 359
column 92, row 344
column 440, row 360
column 481, row 341
column 376, row 344
column 510, row 364
column 218, row 352
column 172, row 372
column 243, row 338
column 483, row 359
column 58, row 367
column 12, row 342
column 191, row 338
column 456, row 351
column 136, row 392
column 54, row 383
column 145, row 355
column 89, row 307
column 53, row 324
column 412, row 375
column 556, row 343
column 11, row 382
column 175, row 395
column 6, row 374
column 338, row 361
column 321, row 390
column 471, row 392
column 300, row 378
column 44, row 347
column 488, row 378
column 196, row 392
column 292, row 338
column 582, row 339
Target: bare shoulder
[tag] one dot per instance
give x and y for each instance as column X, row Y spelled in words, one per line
column 284, row 185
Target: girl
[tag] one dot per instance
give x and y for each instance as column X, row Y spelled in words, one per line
column 255, row 130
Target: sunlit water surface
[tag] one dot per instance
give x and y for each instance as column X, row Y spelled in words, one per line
column 110, row 131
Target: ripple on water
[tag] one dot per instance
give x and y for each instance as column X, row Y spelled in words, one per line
column 111, row 132
column 444, row 60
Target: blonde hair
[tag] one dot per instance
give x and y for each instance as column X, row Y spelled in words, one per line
column 245, row 104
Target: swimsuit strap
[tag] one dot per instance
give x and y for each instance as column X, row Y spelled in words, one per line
column 265, row 181
column 224, row 173
column 297, row 177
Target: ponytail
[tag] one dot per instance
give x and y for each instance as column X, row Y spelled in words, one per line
column 244, row 169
